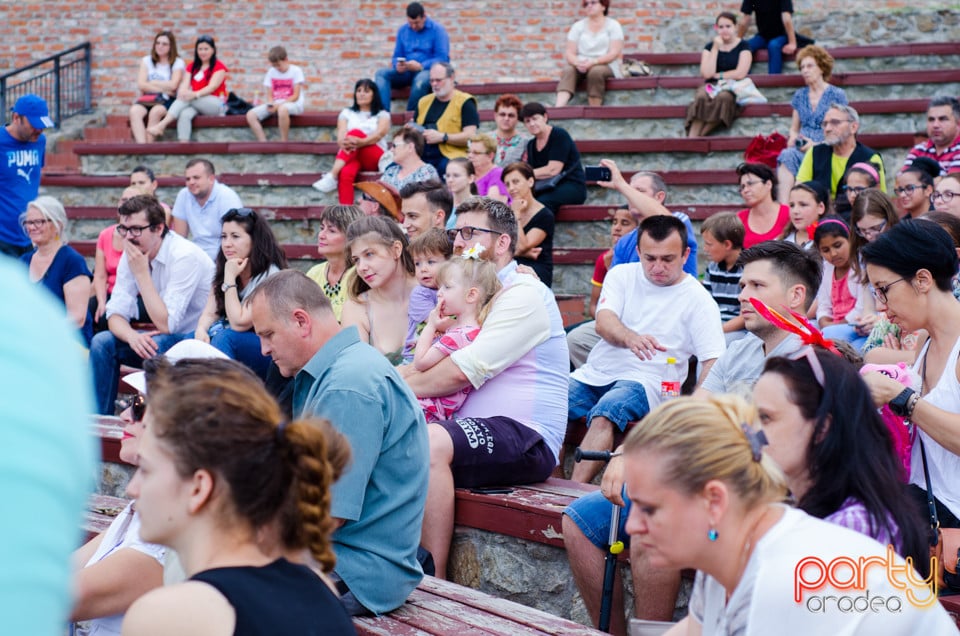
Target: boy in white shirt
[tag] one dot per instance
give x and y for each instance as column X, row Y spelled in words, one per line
column 285, row 84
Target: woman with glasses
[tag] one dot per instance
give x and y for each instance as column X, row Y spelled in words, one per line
column 594, row 51
column 511, row 143
column 763, row 219
column 243, row 496
column 117, row 567
column 946, row 196
column 202, row 91
column 726, row 57
column 489, row 176
column 535, row 222
column 912, row 268
column 408, row 165
column 707, row 494
column 914, row 185
column 361, row 132
column 248, row 255
column 810, row 105
column 159, row 77
column 379, row 291
column 56, row 265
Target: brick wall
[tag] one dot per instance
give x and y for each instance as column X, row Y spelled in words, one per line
column 339, row 41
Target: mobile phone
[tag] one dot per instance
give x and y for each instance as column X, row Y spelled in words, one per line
column 492, row 490
column 597, row 173
column 799, row 143
column 401, row 60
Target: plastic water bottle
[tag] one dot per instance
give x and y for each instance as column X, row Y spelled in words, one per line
column 670, row 384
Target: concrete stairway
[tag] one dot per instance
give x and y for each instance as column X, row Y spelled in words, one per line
column 641, row 128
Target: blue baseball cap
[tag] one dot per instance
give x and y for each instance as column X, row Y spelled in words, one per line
column 34, row 108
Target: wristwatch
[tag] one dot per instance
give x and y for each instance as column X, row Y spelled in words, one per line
column 445, row 137
column 224, row 287
column 904, row 403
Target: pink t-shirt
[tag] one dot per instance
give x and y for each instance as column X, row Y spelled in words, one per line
column 110, row 256
column 751, row 238
column 841, row 298
column 443, row 408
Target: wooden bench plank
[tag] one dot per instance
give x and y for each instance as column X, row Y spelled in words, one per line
column 483, row 620
column 528, row 616
column 437, row 624
column 385, row 626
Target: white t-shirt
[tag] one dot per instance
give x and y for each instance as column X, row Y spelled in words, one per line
column 682, row 317
column 764, row 601
column 365, row 122
column 162, row 72
column 594, row 45
column 280, row 86
column 124, row 532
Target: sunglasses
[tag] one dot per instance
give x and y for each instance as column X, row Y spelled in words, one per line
column 137, row 405
column 237, row 213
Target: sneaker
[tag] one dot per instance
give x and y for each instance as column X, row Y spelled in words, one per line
column 327, row 184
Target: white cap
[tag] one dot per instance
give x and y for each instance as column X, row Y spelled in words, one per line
column 180, row 351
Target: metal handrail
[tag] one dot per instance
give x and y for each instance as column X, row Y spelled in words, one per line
column 65, row 86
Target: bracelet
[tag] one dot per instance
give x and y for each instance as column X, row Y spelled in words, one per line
column 912, row 404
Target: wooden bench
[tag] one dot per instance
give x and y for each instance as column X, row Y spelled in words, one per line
column 439, row 607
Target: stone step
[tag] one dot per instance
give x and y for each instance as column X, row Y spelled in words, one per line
column 848, row 58
column 302, row 158
column 677, row 89
column 608, row 122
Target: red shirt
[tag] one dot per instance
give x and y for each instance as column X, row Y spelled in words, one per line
column 751, row 238
column 202, row 78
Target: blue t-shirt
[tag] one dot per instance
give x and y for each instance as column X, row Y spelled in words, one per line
column 625, row 251
column 382, row 494
column 67, row 264
column 20, row 167
column 47, row 464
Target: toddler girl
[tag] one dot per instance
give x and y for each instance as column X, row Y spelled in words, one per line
column 467, row 287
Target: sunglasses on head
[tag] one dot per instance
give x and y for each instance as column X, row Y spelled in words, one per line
column 237, row 213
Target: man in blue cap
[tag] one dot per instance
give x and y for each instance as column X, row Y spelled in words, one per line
column 22, row 146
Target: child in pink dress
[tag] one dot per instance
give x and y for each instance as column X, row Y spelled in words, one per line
column 467, row 286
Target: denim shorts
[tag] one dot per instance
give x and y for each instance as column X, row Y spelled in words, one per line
column 621, row 402
column 591, row 513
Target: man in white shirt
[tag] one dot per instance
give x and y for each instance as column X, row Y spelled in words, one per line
column 201, row 204
column 648, row 311
column 170, row 274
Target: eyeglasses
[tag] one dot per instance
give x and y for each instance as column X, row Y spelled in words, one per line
column 137, row 405
column 34, row 223
column 810, row 355
column 856, row 190
column 467, row 232
column 398, row 144
column 237, row 213
column 587, row 3
column 880, row 293
column 946, row 196
column 133, row 231
column 439, row 80
column 907, row 189
column 833, row 122
column 873, row 230
column 748, row 184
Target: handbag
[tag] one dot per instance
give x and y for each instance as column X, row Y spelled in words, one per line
column 236, row 105
column 541, row 186
column 765, row 150
column 151, row 99
column 944, row 542
column 744, row 90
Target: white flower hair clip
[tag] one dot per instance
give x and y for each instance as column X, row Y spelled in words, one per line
column 473, row 252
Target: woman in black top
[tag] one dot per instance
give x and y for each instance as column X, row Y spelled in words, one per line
column 231, row 486
column 535, row 222
column 555, row 160
column 727, row 57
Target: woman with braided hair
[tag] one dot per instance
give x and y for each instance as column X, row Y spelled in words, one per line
column 229, row 485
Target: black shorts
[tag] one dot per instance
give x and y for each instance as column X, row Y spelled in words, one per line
column 497, row 451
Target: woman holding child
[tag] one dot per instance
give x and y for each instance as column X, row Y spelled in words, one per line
column 159, row 77
column 211, row 426
column 203, row 90
column 379, row 292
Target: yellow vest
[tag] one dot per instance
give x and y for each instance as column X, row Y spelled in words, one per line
column 450, row 122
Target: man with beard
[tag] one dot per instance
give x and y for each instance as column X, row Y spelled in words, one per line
column 201, row 204
column 169, row 273
column 448, row 116
column 827, row 162
column 510, row 428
